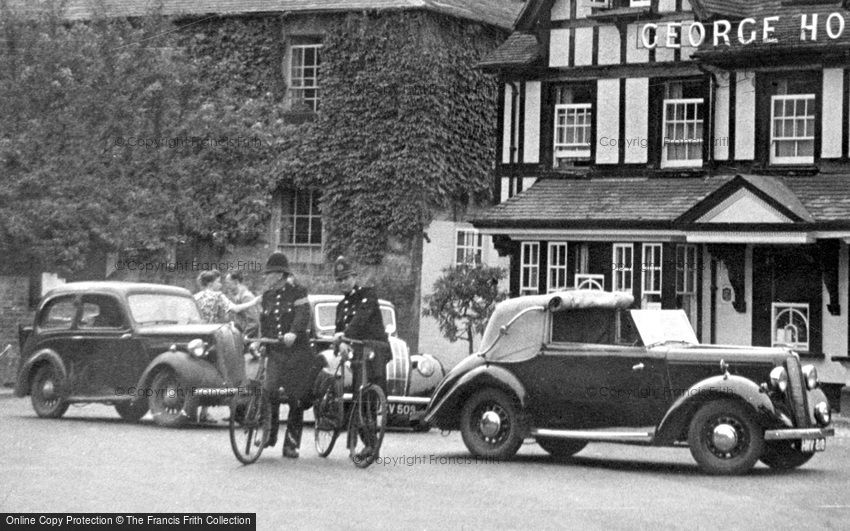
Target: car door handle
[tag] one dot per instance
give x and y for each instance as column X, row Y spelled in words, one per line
column 77, row 337
column 126, row 336
column 638, row 367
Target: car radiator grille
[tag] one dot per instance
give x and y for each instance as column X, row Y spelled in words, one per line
column 796, row 393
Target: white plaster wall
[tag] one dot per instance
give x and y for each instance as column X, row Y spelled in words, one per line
column 706, row 295
column 436, row 255
column 561, row 10
column 506, row 127
column 584, row 46
column 686, row 5
column 531, row 145
column 833, row 112
column 734, row 328
column 666, row 6
column 559, row 48
column 633, row 53
column 609, row 46
column 607, row 121
column 835, row 327
column 662, row 53
column 637, row 124
column 721, row 117
column 527, row 182
column 745, row 115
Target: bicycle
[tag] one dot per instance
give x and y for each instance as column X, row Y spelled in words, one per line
column 367, row 417
column 250, row 428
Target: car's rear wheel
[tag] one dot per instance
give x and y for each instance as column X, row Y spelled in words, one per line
column 785, row 455
column 491, row 424
column 724, row 438
column 168, row 400
column 45, row 396
column 132, row 411
column 561, row 448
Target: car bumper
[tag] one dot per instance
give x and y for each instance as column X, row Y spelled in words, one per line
column 798, row 434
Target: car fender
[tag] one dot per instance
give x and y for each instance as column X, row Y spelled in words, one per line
column 22, row 387
column 675, row 423
column 421, row 385
column 192, row 372
column 445, row 414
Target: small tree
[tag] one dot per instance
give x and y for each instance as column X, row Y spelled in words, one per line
column 463, row 299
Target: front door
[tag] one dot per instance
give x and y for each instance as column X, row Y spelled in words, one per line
column 787, row 297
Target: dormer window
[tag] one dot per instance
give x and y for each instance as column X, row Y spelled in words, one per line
column 573, row 120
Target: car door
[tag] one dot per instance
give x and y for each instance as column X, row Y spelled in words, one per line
column 115, row 358
column 54, row 328
column 583, row 380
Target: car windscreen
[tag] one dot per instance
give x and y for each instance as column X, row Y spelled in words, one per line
column 158, row 308
column 325, row 313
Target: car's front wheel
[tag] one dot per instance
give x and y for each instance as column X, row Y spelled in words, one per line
column 725, row 438
column 561, row 448
column 46, row 398
column 132, row 411
column 168, row 400
column 491, row 424
column 785, row 455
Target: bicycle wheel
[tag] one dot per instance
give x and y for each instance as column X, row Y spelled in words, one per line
column 328, row 413
column 369, row 420
column 250, row 425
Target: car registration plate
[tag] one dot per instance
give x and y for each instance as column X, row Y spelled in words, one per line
column 407, row 410
column 813, row 445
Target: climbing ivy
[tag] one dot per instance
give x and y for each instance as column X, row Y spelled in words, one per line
column 405, row 127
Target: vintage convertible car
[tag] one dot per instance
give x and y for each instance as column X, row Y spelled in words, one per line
column 576, row 367
column 410, row 378
column 135, row 346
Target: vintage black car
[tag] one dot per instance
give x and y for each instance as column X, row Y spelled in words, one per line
column 576, row 367
column 411, row 378
column 136, row 346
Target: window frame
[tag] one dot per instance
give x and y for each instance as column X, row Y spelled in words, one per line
column 780, row 160
column 619, row 268
column 525, row 269
column 655, row 270
column 467, row 247
column 554, row 270
column 297, row 83
column 575, row 151
column 666, row 142
column 687, row 268
column 777, row 309
column 293, row 216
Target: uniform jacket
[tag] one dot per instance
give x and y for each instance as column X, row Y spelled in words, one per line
column 358, row 315
column 287, row 310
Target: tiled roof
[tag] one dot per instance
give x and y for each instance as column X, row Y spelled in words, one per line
column 519, row 49
column 499, row 13
column 562, row 202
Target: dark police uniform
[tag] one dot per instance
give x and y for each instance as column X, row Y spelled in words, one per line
column 287, row 310
column 358, row 316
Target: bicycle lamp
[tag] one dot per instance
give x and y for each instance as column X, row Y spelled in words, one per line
column 197, row 348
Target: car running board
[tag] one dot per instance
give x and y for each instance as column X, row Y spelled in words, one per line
column 638, row 437
column 394, row 399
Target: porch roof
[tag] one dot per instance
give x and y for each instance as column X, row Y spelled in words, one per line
column 667, row 203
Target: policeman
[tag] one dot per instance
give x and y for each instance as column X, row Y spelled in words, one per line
column 286, row 314
column 358, row 316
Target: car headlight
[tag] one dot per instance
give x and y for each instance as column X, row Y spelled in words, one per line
column 811, row 375
column 197, row 348
column 822, row 413
column 425, row 366
column 779, row 379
